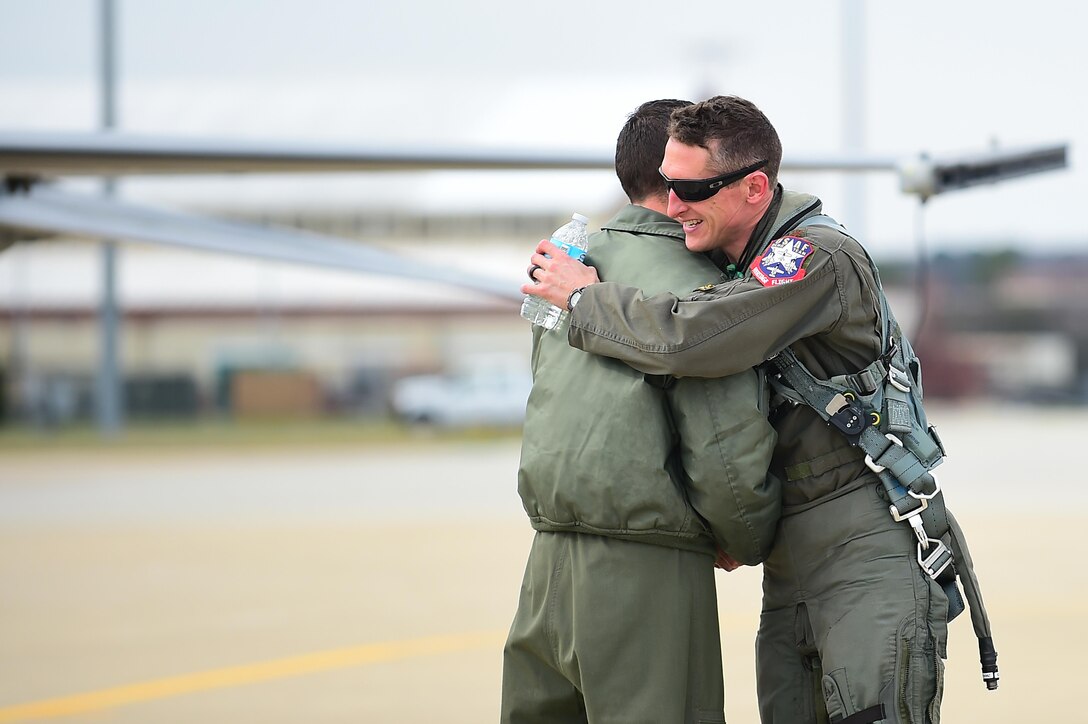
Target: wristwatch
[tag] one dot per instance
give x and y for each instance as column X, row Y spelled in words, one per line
column 574, row 297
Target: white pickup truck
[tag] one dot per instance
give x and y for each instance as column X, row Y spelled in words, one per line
column 483, row 397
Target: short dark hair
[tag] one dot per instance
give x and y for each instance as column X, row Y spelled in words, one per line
column 745, row 136
column 641, row 147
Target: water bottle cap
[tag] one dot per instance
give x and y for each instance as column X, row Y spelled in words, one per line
column 579, row 217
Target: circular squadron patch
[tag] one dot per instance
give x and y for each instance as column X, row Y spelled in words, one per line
column 782, row 262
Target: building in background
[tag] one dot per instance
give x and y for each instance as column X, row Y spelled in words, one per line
column 205, row 334
column 209, row 335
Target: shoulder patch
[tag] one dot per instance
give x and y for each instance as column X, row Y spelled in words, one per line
column 782, row 262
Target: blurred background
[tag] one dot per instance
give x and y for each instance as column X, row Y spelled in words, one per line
column 207, row 335
column 280, row 423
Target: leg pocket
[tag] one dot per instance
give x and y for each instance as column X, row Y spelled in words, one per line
column 938, row 694
column 836, row 691
column 920, row 675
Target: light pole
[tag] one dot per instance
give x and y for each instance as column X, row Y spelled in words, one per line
column 109, row 391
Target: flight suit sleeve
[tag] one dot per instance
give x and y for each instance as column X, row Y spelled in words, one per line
column 726, row 445
column 716, row 332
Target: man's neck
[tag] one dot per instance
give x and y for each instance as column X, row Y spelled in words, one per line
column 758, row 228
column 660, row 205
column 735, row 248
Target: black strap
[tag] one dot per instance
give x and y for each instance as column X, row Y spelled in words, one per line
column 865, row 716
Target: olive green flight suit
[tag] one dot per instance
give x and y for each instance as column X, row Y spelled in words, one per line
column 849, row 621
column 631, row 484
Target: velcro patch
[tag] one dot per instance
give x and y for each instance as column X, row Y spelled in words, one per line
column 782, row 262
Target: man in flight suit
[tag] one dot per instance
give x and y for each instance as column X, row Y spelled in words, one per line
column 632, row 484
column 851, row 630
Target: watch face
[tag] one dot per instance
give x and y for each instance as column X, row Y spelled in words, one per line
column 575, row 297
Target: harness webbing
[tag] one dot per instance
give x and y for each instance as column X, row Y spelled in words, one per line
column 902, row 457
column 901, row 472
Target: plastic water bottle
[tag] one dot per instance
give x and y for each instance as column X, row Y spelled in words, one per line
column 573, row 238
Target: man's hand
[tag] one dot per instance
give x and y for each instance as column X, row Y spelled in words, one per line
column 556, row 275
column 725, row 561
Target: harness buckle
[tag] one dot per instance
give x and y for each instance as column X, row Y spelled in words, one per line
column 844, row 414
column 927, row 496
column 937, row 561
column 900, row 517
column 899, row 379
column 881, row 468
column 878, row 468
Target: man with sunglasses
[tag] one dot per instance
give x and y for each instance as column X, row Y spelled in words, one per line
column 852, row 631
column 632, row 485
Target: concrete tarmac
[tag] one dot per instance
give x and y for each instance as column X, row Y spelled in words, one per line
column 375, row 583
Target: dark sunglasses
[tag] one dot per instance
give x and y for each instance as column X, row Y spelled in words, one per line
column 701, row 189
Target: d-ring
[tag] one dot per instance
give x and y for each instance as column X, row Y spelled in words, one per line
column 532, row 270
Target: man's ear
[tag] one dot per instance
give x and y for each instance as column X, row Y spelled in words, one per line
column 759, row 187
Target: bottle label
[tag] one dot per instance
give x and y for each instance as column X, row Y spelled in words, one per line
column 572, row 251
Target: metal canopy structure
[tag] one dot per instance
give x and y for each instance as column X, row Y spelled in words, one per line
column 44, row 155
column 43, row 210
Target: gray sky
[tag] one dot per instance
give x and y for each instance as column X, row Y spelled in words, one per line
column 942, row 77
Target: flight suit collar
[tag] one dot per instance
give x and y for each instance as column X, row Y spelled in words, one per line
column 787, row 209
column 640, row 220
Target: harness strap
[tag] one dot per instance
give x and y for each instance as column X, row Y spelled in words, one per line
column 824, row 220
column 900, row 471
column 865, row 716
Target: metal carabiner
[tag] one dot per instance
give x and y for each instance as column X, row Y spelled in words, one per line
column 915, row 519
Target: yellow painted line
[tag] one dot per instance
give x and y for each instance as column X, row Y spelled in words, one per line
column 247, row 674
